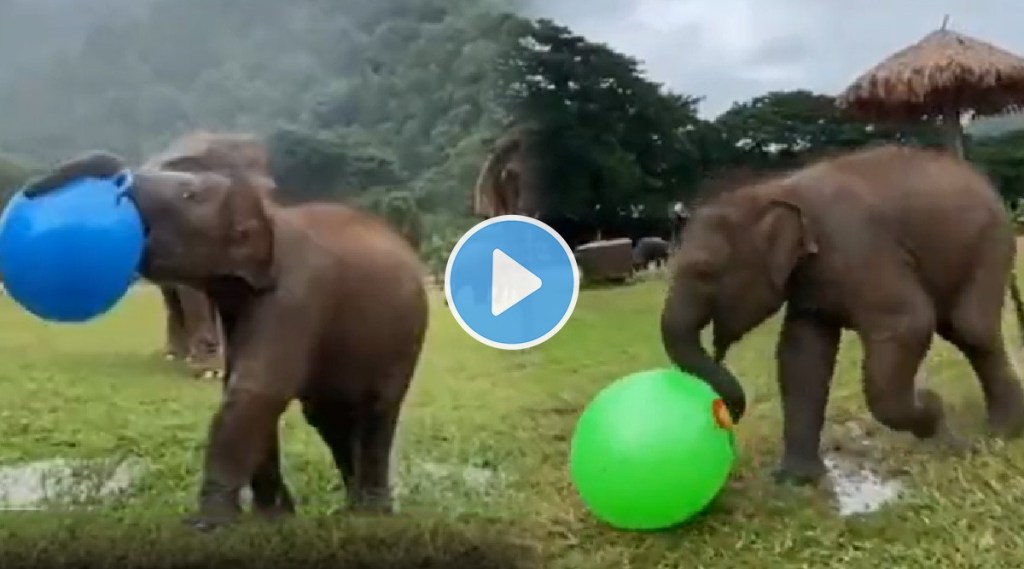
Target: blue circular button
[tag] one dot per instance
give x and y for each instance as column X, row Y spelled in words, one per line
column 512, row 282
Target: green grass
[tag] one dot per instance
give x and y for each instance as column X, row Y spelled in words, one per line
column 101, row 390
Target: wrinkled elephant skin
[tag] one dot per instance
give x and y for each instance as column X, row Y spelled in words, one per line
column 893, row 243
column 319, row 303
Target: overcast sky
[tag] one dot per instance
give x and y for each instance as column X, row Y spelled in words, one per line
column 728, row 50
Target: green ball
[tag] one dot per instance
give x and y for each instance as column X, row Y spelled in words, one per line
column 652, row 450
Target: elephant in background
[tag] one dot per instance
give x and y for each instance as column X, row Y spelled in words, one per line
column 509, row 182
column 194, row 333
column 506, row 185
column 650, row 250
column 894, row 243
column 513, row 180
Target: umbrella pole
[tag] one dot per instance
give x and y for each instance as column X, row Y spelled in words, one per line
column 953, row 132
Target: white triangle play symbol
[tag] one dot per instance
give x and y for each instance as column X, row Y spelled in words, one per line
column 510, row 282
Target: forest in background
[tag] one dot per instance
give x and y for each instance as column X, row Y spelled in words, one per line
column 356, row 99
column 398, row 101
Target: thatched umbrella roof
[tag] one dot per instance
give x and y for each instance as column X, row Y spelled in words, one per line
column 942, row 75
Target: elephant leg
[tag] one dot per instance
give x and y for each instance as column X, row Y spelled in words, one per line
column 238, row 445
column 376, row 437
column 1003, row 397
column 177, row 344
column 270, row 495
column 892, row 355
column 336, row 425
column 204, row 335
column 806, row 357
column 974, row 327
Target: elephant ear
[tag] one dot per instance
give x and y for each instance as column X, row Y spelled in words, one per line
column 786, row 238
column 250, row 239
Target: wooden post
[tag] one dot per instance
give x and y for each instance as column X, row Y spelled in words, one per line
column 953, row 132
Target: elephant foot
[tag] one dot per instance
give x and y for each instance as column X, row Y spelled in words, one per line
column 204, row 369
column 274, row 513
column 1006, row 419
column 1006, row 427
column 206, row 523
column 799, row 471
column 278, row 507
column 209, row 374
column 953, row 443
column 373, row 504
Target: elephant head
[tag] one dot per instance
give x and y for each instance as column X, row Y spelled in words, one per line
column 507, row 183
column 212, row 224
column 731, row 270
column 202, row 150
column 206, row 151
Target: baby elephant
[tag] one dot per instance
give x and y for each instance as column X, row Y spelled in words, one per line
column 648, row 250
column 319, row 303
column 893, row 243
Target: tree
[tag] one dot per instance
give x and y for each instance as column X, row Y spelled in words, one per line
column 323, row 166
column 610, row 144
column 782, row 129
column 1002, row 159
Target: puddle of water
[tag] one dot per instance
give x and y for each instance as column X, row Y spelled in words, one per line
column 34, row 485
column 858, row 489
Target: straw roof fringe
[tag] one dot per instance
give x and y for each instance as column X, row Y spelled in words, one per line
column 943, row 70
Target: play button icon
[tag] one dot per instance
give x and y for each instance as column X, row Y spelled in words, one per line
column 511, row 282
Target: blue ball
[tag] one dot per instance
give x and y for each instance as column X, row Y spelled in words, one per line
column 70, row 255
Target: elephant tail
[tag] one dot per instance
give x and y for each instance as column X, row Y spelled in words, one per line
column 1018, row 303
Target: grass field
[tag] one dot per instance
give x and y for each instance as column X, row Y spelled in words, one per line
column 482, row 459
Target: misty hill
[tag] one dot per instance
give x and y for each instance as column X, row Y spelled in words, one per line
column 33, row 32
column 386, row 92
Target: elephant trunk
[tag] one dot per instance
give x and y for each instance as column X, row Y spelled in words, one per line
column 683, row 318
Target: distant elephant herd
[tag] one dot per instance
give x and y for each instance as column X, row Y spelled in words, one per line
column 325, row 304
